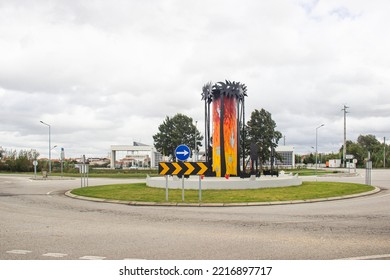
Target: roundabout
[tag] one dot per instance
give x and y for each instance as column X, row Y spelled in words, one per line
column 219, row 204
column 230, row 183
column 142, row 194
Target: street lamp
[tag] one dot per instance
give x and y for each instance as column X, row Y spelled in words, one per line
column 49, row 145
column 317, row 144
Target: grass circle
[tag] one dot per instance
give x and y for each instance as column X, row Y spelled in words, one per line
column 140, row 192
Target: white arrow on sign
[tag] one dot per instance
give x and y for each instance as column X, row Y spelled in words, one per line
column 183, row 153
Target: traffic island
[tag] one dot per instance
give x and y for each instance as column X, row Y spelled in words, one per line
column 227, row 183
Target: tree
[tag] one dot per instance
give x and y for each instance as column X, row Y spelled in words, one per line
column 260, row 130
column 357, row 150
column 369, row 143
column 365, row 144
column 18, row 162
column 309, row 159
column 175, row 131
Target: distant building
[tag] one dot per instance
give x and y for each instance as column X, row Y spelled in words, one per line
column 287, row 156
column 332, row 163
column 138, row 155
column 98, row 161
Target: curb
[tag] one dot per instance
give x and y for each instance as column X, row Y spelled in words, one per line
column 200, row 204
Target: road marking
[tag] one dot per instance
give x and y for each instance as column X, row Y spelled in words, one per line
column 369, row 257
column 92, row 258
column 49, row 193
column 55, row 255
column 19, row 252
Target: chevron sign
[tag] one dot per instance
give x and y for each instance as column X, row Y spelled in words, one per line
column 182, row 168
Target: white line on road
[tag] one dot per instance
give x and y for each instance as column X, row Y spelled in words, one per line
column 92, row 258
column 19, row 252
column 55, row 255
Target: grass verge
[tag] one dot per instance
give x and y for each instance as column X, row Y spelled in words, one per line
column 141, row 192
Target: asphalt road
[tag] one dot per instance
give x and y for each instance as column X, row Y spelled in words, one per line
column 37, row 221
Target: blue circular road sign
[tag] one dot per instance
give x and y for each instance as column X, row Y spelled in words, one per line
column 182, row 152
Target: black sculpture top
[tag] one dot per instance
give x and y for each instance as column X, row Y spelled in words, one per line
column 227, row 88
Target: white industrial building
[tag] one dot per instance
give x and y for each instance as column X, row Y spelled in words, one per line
column 137, row 155
column 287, row 155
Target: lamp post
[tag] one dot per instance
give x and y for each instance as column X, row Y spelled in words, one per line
column 317, row 144
column 49, row 145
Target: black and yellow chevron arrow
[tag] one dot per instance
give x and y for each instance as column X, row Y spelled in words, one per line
column 183, row 168
column 190, row 168
column 163, row 168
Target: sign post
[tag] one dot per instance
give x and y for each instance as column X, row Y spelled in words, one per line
column 182, row 188
column 182, row 153
column 182, row 168
column 349, row 157
column 84, row 170
column 200, row 187
column 35, row 163
column 368, row 169
column 166, row 188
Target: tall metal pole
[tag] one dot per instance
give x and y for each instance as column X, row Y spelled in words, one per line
column 222, row 136
column 384, row 152
column 243, row 135
column 317, row 145
column 345, row 135
column 49, row 146
column 62, row 161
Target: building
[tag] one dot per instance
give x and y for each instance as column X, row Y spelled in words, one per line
column 138, row 155
column 333, row 163
column 287, row 156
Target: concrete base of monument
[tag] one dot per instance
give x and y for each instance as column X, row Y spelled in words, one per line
column 233, row 183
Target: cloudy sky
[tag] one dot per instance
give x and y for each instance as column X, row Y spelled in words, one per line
column 109, row 72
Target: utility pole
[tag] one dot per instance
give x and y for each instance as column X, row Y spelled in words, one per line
column 345, row 135
column 384, row 152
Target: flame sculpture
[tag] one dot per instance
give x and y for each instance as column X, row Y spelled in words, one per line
column 227, row 119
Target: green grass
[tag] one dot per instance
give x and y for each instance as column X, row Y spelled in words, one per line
column 140, row 192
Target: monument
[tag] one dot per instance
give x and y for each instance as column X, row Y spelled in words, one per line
column 224, row 109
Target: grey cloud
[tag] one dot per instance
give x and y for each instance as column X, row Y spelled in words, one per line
column 104, row 73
